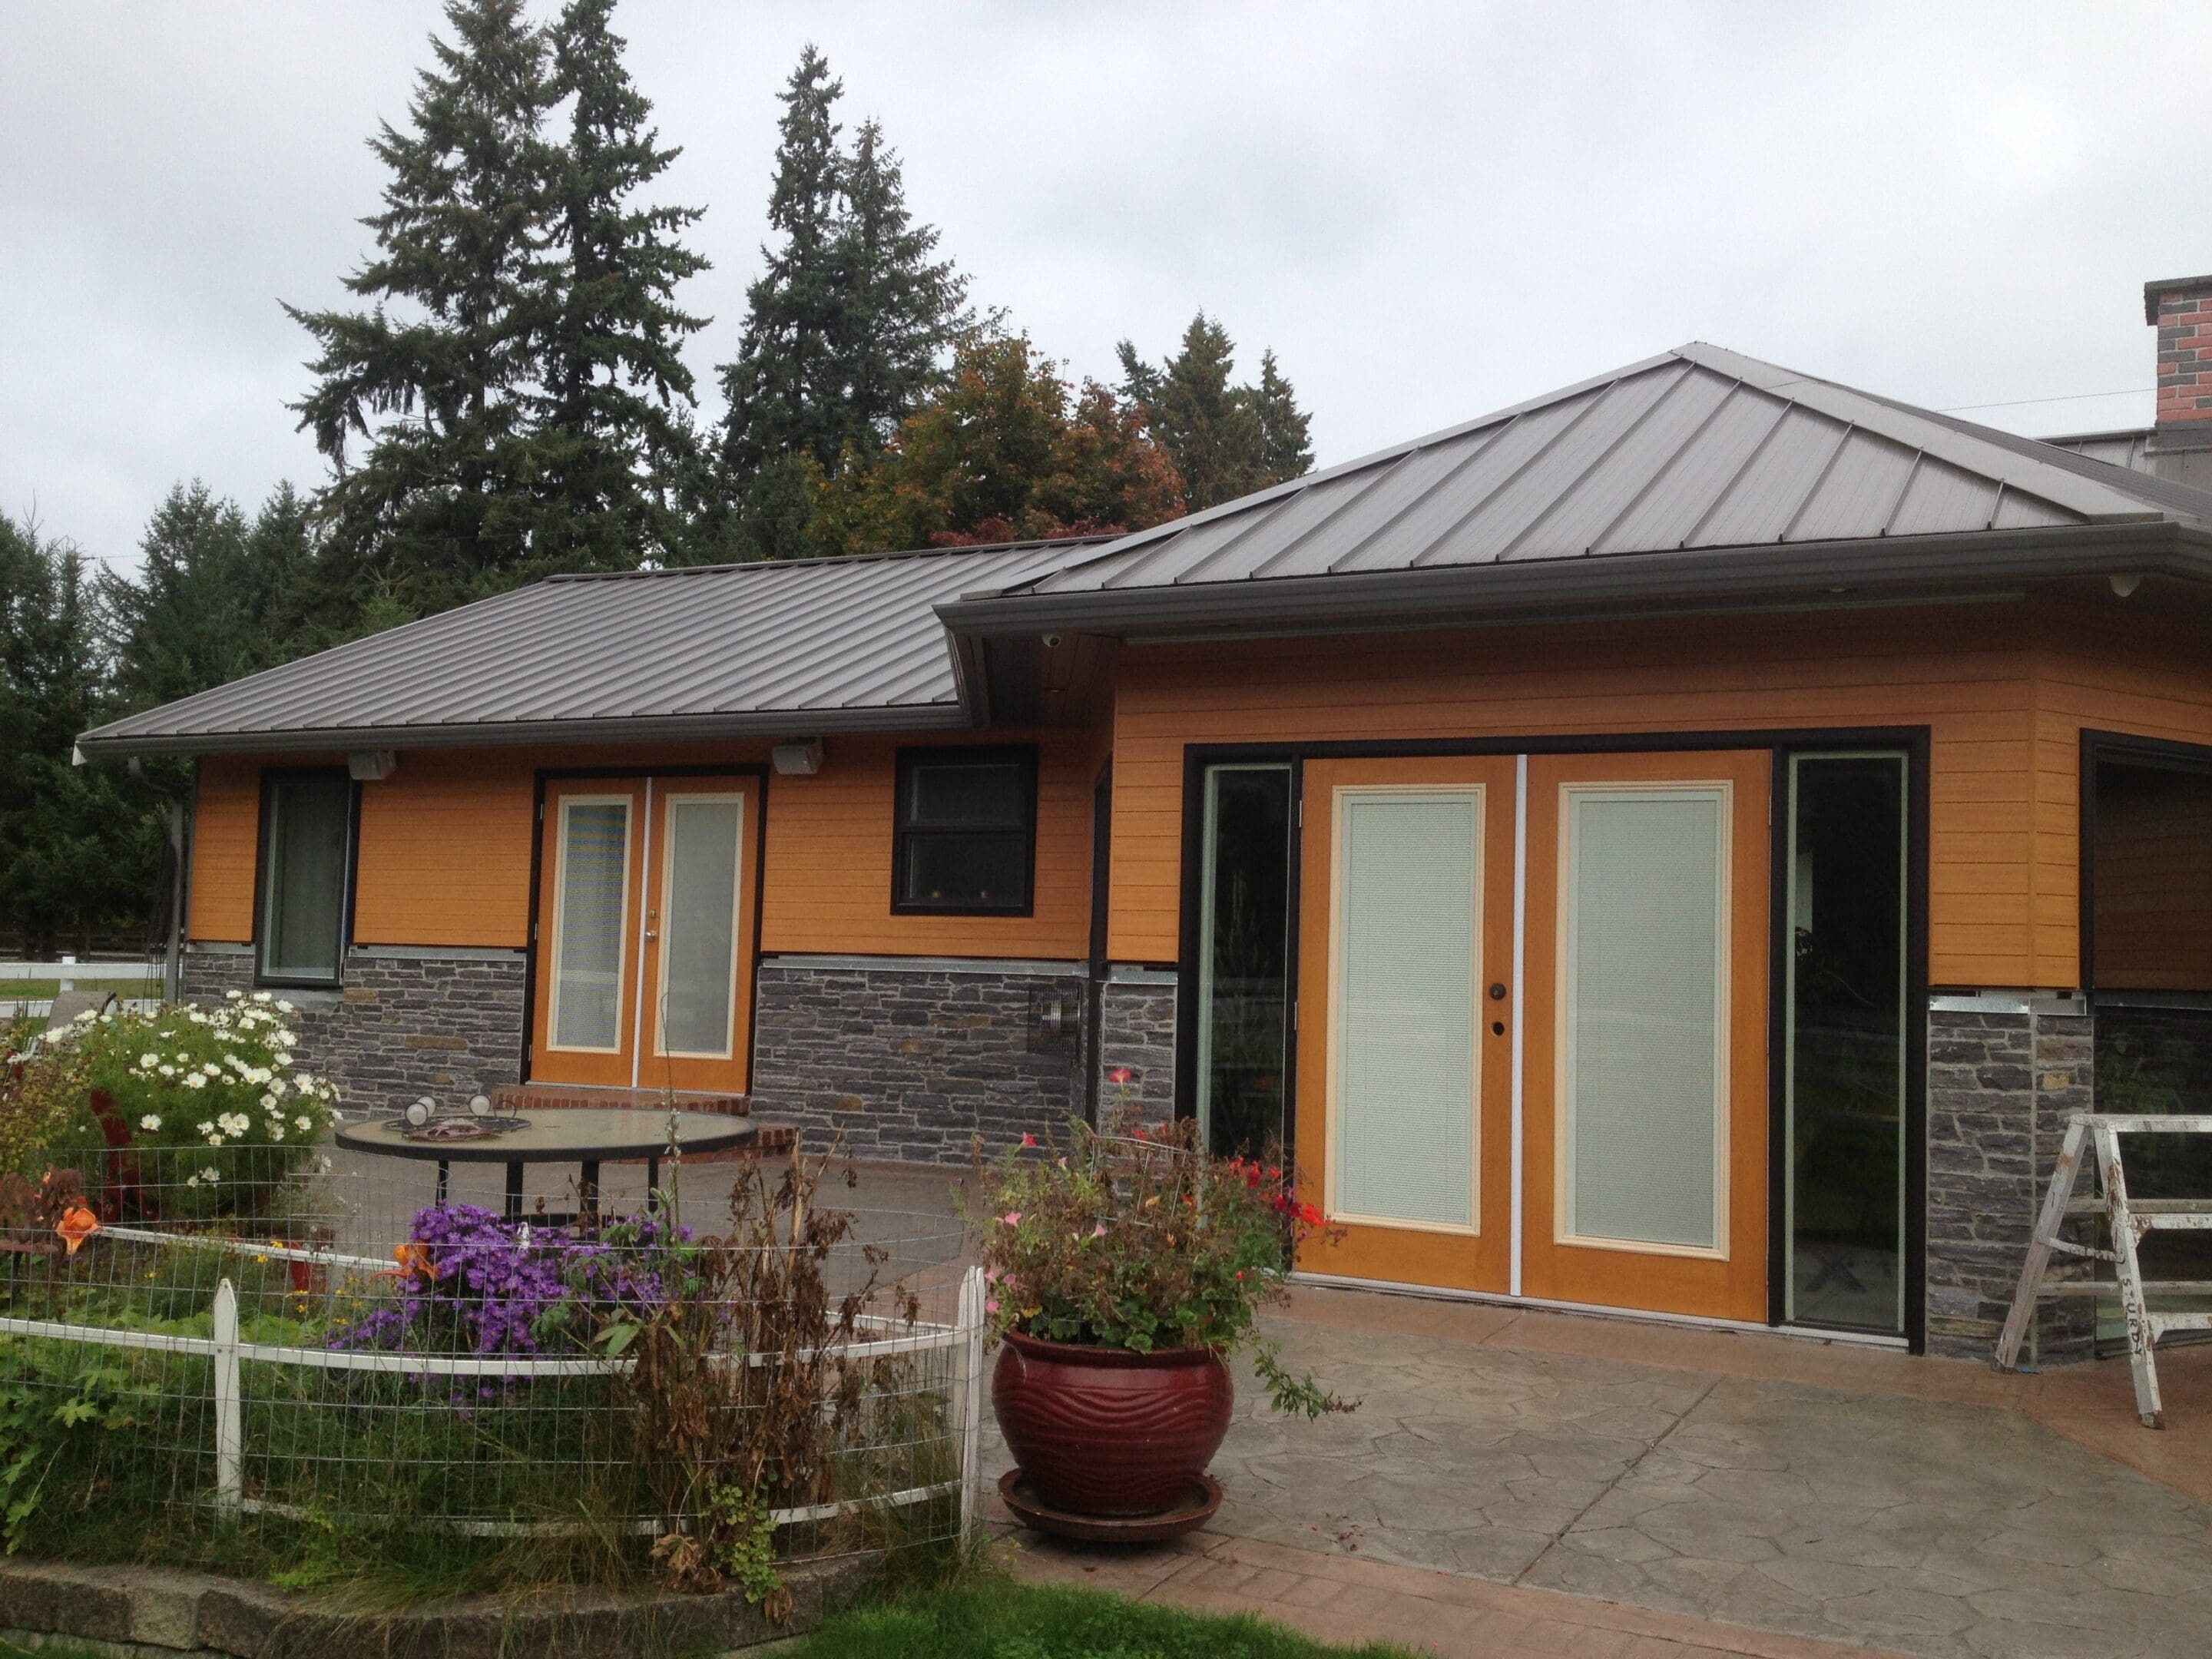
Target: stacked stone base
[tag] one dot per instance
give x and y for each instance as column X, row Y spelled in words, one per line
column 422, row 1021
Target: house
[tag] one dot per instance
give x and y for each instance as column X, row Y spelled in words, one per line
column 1665, row 846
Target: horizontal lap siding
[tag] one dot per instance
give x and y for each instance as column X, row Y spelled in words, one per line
column 226, row 836
column 1963, row 672
column 445, row 851
column 828, row 884
column 446, row 841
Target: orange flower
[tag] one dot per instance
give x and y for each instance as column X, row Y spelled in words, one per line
column 414, row 1259
column 78, row 1224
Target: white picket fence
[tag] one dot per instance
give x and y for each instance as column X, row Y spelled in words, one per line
column 71, row 975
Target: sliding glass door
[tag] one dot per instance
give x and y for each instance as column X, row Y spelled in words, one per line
column 1845, row 1032
column 1244, row 962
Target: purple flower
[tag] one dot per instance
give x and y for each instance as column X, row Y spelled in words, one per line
column 494, row 1288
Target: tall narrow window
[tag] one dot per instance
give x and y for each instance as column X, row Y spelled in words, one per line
column 1645, row 1016
column 1244, row 956
column 591, row 922
column 965, row 833
column 1844, row 1103
column 306, row 855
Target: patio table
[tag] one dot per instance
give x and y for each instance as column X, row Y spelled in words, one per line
column 584, row 1136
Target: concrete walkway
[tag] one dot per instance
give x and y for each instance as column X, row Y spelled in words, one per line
column 1662, row 1486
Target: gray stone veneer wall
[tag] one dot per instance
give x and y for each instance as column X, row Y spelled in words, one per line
column 2004, row 1072
column 1136, row 1030
column 408, row 1023
column 914, row 1060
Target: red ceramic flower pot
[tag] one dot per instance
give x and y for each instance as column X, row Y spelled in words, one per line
column 1106, row 1431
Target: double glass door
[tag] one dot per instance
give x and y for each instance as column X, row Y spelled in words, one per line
column 1626, row 920
column 644, row 938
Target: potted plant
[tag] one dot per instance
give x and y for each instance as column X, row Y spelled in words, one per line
column 1121, row 1274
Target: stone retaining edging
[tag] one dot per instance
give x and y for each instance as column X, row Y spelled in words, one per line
column 157, row 1612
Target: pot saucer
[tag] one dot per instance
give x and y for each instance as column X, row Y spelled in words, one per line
column 1195, row 1510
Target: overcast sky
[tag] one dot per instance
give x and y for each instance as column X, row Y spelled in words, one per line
column 1429, row 211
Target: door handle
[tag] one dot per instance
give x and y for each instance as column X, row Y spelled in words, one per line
column 653, row 933
column 1497, row 991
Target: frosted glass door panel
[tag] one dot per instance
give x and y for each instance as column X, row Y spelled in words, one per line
column 1644, row 1014
column 699, row 934
column 590, row 925
column 1408, row 886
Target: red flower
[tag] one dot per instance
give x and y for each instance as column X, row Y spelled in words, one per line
column 1121, row 1075
column 1309, row 1214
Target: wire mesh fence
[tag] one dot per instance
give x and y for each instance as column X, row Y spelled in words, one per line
column 199, row 1336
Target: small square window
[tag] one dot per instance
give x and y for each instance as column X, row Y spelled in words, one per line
column 965, row 835
column 305, row 877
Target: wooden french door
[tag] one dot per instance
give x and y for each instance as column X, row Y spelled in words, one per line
column 645, row 930
column 1405, row 1079
column 1642, row 1000
column 1644, row 1081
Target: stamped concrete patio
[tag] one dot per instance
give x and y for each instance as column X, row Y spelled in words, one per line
column 1695, row 1488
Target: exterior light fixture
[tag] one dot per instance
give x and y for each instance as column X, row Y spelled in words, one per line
column 371, row 765
column 797, row 760
column 2124, row 586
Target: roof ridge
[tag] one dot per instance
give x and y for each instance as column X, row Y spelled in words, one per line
column 726, row 567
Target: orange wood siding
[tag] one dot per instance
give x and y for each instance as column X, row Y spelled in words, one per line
column 828, row 886
column 446, row 846
column 226, row 842
column 1966, row 672
column 445, row 850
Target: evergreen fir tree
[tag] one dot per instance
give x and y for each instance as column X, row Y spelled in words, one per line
column 443, row 502
column 1286, row 443
column 900, row 310
column 1225, row 441
column 787, row 395
column 619, row 455
column 845, row 330
column 79, row 845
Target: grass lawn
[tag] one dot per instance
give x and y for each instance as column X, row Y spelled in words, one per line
column 1025, row 1621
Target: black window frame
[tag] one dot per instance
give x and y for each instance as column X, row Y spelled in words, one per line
column 271, row 778
column 903, row 833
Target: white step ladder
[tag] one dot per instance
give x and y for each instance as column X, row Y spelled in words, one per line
column 2125, row 1224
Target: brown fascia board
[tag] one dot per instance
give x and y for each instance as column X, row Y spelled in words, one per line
column 656, row 728
column 1904, row 566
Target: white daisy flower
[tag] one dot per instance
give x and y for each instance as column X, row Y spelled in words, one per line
column 167, row 1071
column 191, row 1180
column 269, row 1101
column 301, row 1123
column 211, row 1177
column 149, row 1123
column 149, row 1061
column 262, row 996
column 86, row 1017
column 207, row 1128
column 194, row 1080
column 285, row 1006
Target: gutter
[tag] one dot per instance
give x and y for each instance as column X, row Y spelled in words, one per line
column 105, row 741
column 1901, row 566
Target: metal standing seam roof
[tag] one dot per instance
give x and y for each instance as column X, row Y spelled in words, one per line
column 1697, row 449
column 810, row 645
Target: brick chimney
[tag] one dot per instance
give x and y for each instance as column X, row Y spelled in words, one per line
column 2181, row 308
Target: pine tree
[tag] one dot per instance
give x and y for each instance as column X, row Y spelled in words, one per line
column 787, row 395
column 900, row 310
column 444, row 500
column 620, row 454
column 1225, row 441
